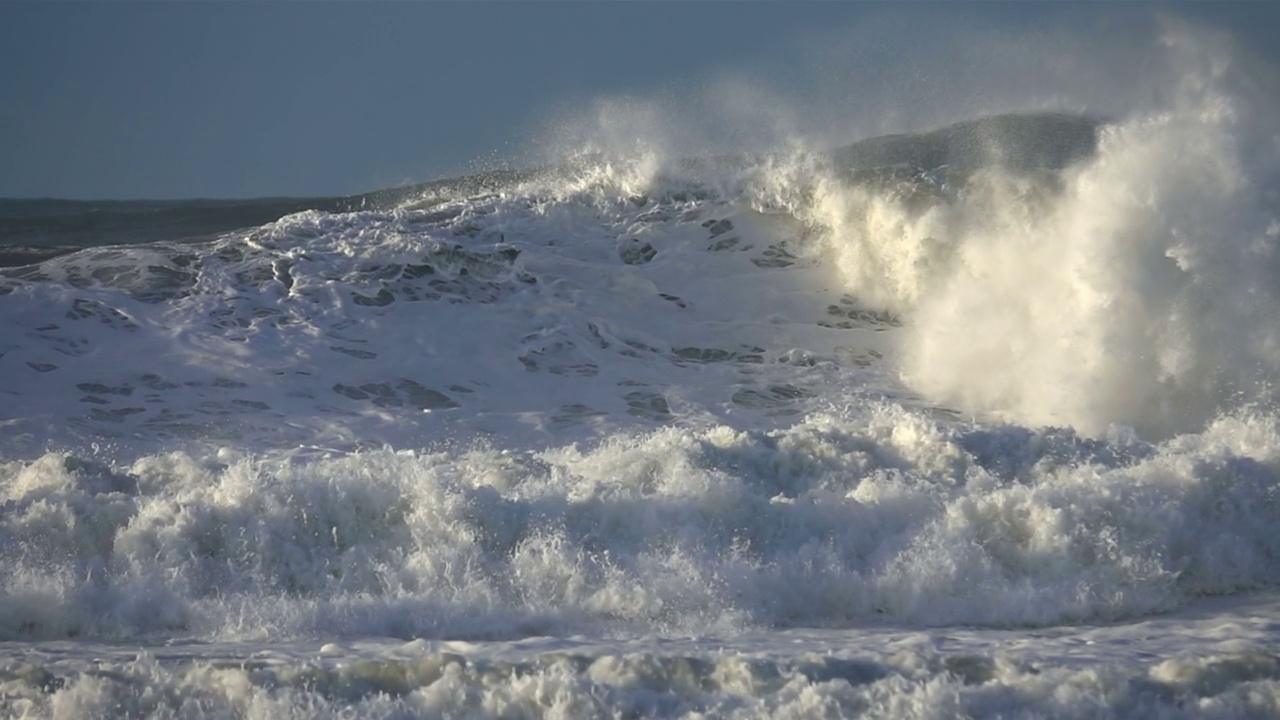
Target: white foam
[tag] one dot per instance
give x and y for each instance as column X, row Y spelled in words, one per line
column 836, row 521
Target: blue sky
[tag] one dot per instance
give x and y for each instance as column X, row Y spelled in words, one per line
column 177, row 100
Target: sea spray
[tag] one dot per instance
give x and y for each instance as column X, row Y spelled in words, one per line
column 1138, row 285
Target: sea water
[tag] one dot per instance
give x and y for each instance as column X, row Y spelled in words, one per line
column 976, row 422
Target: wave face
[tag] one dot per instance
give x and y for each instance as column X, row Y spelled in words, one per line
column 888, row 429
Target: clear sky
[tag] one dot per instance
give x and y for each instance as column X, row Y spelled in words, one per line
column 238, row 99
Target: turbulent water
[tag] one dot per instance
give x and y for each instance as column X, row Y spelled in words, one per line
column 974, row 422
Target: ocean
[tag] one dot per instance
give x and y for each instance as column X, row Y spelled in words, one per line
column 975, row 422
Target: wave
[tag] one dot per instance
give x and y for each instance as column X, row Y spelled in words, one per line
column 874, row 515
column 1116, row 272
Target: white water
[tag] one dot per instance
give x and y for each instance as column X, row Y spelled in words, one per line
column 648, row 438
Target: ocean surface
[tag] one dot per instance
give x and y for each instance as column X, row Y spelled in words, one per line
column 978, row 422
